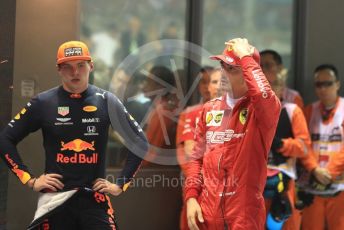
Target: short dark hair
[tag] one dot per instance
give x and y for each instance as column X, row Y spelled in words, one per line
column 164, row 74
column 276, row 56
column 327, row 67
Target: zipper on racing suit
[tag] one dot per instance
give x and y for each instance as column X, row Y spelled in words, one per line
column 222, row 201
column 222, row 198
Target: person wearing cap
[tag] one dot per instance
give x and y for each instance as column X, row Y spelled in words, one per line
column 291, row 142
column 227, row 171
column 74, row 119
column 272, row 65
column 325, row 119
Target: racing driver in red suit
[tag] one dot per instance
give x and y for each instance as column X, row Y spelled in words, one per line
column 227, row 172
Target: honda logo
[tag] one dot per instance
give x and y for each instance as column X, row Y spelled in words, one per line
column 91, row 129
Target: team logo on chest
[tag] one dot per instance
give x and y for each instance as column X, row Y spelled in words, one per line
column 89, row 108
column 243, row 116
column 209, row 118
column 91, row 131
column 214, row 117
column 63, row 110
column 220, row 137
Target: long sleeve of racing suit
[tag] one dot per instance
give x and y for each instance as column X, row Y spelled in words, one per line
column 24, row 123
column 262, row 97
column 264, row 102
column 194, row 180
column 133, row 137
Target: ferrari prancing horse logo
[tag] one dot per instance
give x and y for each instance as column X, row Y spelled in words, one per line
column 243, row 116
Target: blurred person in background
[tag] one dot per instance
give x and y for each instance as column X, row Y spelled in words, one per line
column 127, row 87
column 101, row 75
column 131, row 39
column 134, row 98
column 271, row 63
column 160, row 123
column 326, row 183
column 209, row 88
column 105, row 45
column 215, row 82
column 291, row 141
column 168, row 52
column 120, row 83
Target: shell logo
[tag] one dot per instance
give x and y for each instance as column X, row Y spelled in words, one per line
column 218, row 117
column 90, row 108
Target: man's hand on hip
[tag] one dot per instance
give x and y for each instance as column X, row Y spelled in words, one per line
column 102, row 185
column 193, row 210
column 51, row 182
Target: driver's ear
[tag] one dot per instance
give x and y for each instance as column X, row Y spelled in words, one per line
column 91, row 66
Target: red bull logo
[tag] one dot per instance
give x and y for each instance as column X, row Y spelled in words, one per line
column 77, row 145
column 21, row 174
column 76, row 158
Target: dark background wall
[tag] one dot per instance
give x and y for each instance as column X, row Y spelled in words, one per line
column 7, row 25
column 321, row 42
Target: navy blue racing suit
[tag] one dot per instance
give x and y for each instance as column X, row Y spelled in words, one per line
column 75, row 134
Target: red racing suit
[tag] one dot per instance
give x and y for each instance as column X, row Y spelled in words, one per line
column 186, row 130
column 227, row 172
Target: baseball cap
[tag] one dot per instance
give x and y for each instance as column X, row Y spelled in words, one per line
column 73, row 50
column 230, row 58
